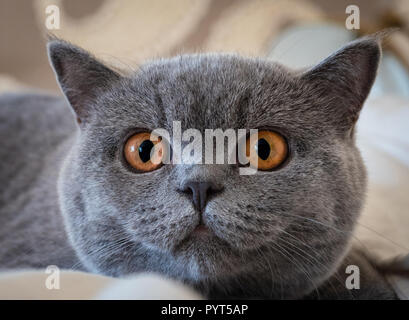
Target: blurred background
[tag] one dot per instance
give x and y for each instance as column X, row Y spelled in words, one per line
column 127, row 32
column 297, row 33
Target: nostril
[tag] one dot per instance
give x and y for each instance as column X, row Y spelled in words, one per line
column 186, row 190
column 200, row 192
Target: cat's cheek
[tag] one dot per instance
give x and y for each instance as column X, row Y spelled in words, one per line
column 161, row 228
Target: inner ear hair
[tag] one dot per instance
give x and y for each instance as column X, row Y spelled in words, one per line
column 80, row 75
column 342, row 82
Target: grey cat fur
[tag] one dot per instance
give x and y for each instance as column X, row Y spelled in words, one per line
column 280, row 234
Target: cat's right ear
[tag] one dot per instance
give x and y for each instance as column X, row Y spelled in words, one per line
column 81, row 77
column 341, row 83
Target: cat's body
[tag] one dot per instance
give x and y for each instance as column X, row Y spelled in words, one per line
column 281, row 234
column 36, row 130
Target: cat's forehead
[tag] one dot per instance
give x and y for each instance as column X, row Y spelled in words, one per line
column 211, row 91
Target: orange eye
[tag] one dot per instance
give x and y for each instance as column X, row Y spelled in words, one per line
column 144, row 151
column 266, row 150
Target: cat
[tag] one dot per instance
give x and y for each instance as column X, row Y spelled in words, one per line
column 68, row 196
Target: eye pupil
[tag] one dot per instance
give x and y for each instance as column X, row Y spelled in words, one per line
column 145, row 150
column 263, row 149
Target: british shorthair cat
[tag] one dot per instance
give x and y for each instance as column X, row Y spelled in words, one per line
column 80, row 190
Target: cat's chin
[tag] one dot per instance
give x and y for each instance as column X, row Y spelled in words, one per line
column 198, row 240
column 206, row 256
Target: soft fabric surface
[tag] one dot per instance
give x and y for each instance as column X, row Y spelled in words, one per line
column 383, row 136
column 31, row 284
column 127, row 32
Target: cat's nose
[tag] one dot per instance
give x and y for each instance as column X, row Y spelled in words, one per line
column 200, row 192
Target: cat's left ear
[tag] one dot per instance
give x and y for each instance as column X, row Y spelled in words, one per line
column 82, row 78
column 341, row 83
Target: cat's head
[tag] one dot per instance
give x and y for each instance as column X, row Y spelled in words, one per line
column 290, row 225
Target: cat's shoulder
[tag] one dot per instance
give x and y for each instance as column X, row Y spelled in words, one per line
column 35, row 132
column 34, row 119
column 31, row 108
column 32, row 125
column 357, row 278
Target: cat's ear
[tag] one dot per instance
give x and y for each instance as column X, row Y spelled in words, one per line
column 81, row 77
column 341, row 83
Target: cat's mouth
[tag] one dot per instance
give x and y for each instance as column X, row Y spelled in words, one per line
column 201, row 230
column 200, row 236
column 206, row 254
